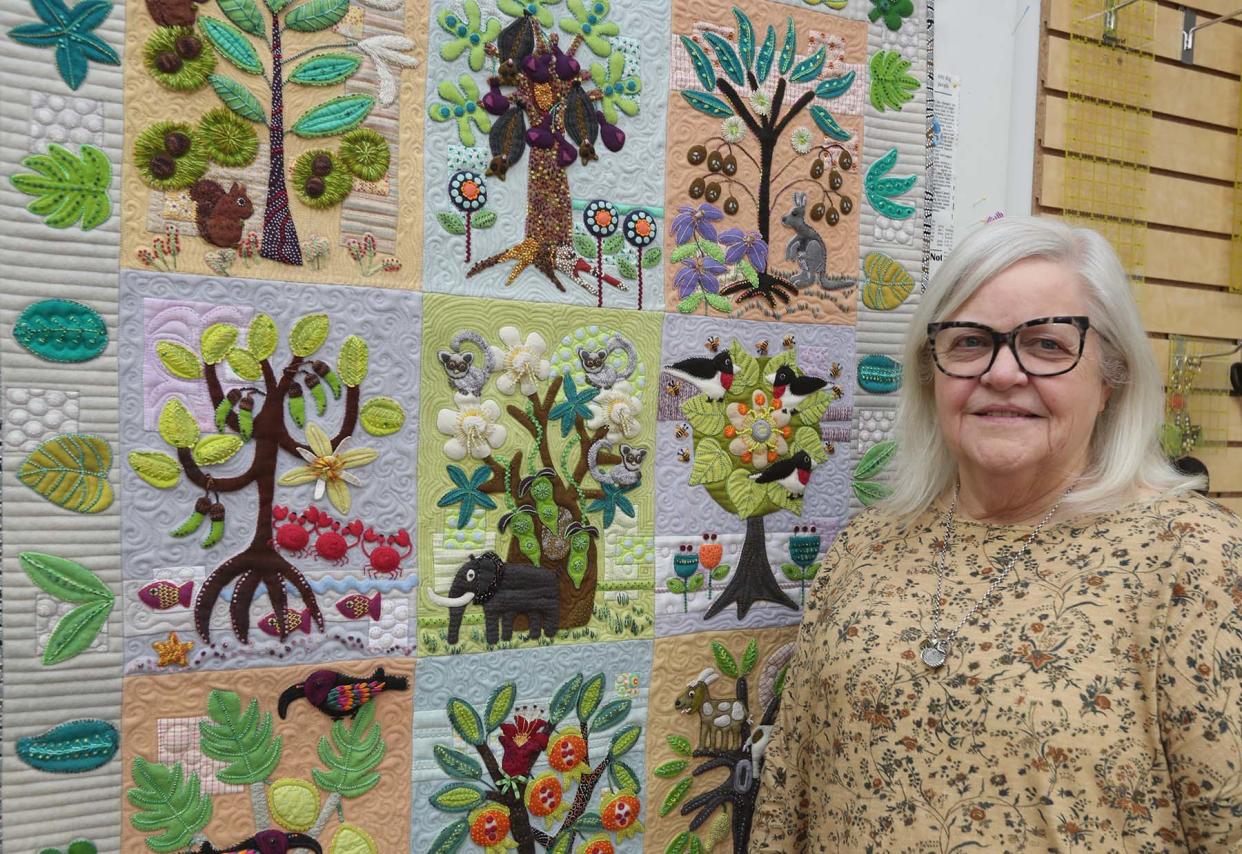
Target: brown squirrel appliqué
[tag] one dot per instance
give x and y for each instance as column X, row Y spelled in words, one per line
column 221, row 215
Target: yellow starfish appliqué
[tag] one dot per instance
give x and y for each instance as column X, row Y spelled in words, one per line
column 173, row 651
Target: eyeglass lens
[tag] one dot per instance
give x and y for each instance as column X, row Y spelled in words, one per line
column 1047, row 348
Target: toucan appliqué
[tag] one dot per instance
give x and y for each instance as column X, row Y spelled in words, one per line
column 713, row 376
column 792, row 389
column 793, row 473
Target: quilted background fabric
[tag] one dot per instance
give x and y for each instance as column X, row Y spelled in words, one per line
column 423, row 419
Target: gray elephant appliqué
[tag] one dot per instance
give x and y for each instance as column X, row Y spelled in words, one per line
column 504, row 590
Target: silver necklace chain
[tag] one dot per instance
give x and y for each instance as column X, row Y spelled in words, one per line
column 936, row 651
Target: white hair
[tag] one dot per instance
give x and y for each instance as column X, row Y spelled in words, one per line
column 1125, row 456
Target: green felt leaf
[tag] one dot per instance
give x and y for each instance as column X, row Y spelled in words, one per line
column 675, row 795
column 875, row 460
column 891, row 87
column 681, row 253
column 718, row 302
column 308, row 334
column 500, row 704
column 624, row 740
column 622, row 776
column 342, row 113
column 749, row 273
column 694, row 583
column 326, row 69
column 745, row 368
column 651, row 257
column 262, row 337
column 811, row 409
column 745, row 38
column 71, row 471
column 156, row 468
column 232, row 44
column 563, row 843
column 244, row 740
column 565, row 698
column 178, row 360
column 584, row 245
column 869, row 492
column 61, row 330
column 457, row 764
column 352, row 755
column 216, row 341
column 381, row 416
column 690, row 303
column 835, row 87
column 614, row 243
column 767, row 52
column 880, row 190
column 701, row 64
column 169, row 802
column 706, row 417
column 316, row 15
column 451, row 221
column 671, row 768
column 676, row 585
column 64, row 579
column 809, row 68
column 177, row 426
column 791, row 571
column 711, row 249
column 712, row 462
column 68, row 189
column 238, row 98
column 750, row 656
column 680, row 745
column 808, row 438
column 483, row 219
column 466, row 722
column 626, row 268
column 725, row 662
column 707, row 104
column 76, row 631
column 450, row 839
column 353, row 362
column 745, row 495
column 727, row 57
column 824, row 121
column 457, row 797
column 589, row 699
column 245, row 14
column 720, row 572
column 216, row 448
column 610, row 715
column 789, row 48
column 244, row 364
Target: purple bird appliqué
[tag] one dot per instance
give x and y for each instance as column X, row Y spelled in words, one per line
column 267, row 842
column 338, row 695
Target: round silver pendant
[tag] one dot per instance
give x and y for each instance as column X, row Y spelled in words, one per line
column 934, row 655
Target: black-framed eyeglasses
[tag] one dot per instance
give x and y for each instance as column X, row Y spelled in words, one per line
column 1043, row 347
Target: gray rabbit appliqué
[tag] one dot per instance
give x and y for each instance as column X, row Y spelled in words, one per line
column 807, row 247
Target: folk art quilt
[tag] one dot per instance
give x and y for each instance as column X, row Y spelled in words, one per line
column 424, row 421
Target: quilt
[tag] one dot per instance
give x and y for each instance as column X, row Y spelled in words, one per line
column 423, row 420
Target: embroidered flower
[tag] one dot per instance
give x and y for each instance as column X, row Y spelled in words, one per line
column 892, row 11
column 696, row 221
column 468, row 191
column 749, row 245
column 698, row 271
column 757, row 432
column 460, row 103
column 522, row 743
column 733, row 129
column 760, row 103
column 521, row 364
column 639, row 228
column 617, row 90
column 617, row 409
column 801, row 140
column 472, row 428
column 327, row 467
column 468, row 35
column 601, row 218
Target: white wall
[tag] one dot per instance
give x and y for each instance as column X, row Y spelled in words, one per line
column 993, row 47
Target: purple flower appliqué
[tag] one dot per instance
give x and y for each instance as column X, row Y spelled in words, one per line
column 691, row 221
column 698, row 272
column 748, row 245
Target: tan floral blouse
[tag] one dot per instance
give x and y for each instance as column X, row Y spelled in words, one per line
column 1097, row 705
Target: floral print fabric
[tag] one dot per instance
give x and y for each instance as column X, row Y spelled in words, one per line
column 1095, row 705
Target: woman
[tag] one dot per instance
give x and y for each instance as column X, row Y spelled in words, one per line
column 1036, row 643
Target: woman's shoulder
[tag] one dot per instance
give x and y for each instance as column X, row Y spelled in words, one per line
column 1186, row 521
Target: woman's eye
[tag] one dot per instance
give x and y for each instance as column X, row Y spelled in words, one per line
column 970, row 341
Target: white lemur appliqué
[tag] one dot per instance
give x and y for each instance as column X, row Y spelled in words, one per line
column 464, row 375
column 599, row 371
column 626, row 473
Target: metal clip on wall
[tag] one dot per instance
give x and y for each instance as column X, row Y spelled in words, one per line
column 1189, row 28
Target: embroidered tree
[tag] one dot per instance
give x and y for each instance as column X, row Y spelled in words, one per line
column 171, row 802
column 537, row 92
column 256, row 415
column 503, row 799
column 581, row 417
column 746, row 455
column 173, row 155
column 749, row 105
column 740, row 757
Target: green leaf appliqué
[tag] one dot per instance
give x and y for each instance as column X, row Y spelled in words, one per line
column 68, row 189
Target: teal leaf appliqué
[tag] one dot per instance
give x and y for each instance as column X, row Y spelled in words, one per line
column 467, row 492
column 574, row 405
column 71, row 33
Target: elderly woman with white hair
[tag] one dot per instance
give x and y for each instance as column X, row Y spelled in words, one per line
column 1035, row 644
